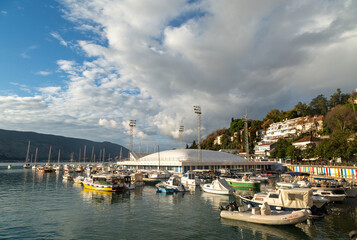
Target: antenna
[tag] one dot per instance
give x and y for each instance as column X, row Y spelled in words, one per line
column 197, row 110
column 180, row 135
column 132, row 124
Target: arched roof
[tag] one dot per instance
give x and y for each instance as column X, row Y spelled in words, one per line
column 191, row 155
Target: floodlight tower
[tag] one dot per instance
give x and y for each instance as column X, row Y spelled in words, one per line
column 180, row 135
column 246, row 136
column 197, row 110
column 132, row 124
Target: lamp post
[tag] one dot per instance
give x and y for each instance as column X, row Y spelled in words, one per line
column 132, row 124
column 180, row 135
column 197, row 110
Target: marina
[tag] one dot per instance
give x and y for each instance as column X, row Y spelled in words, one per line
column 43, row 206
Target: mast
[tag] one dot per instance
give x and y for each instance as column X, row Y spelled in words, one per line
column 59, row 155
column 36, row 155
column 158, row 154
column 28, row 151
column 91, row 158
column 49, row 155
column 84, row 154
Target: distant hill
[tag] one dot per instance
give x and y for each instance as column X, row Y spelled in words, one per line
column 13, row 146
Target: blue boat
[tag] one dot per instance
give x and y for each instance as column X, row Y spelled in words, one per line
column 163, row 189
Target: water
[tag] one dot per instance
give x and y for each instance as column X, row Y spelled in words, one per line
column 42, row 206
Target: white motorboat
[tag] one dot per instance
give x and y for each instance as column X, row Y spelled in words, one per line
column 334, row 195
column 287, row 185
column 9, row 166
column 286, row 199
column 175, row 183
column 218, row 186
column 190, row 178
column 265, row 215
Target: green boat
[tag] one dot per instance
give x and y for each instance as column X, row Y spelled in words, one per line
column 243, row 184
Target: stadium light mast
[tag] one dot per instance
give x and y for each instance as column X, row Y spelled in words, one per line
column 198, row 111
column 132, row 124
column 180, row 135
column 246, row 136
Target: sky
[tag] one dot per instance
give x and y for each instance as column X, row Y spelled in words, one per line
column 85, row 68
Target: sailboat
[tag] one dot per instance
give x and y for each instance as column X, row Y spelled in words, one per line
column 48, row 167
column 58, row 167
column 27, row 165
column 34, row 166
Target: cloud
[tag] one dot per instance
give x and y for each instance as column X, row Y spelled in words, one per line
column 59, row 38
column 3, row 12
column 152, row 61
column 43, row 73
column 25, row 54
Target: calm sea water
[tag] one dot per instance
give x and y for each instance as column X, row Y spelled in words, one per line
column 42, row 206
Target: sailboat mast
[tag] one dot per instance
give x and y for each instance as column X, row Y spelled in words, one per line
column 84, row 154
column 28, row 151
column 49, row 155
column 36, row 155
column 59, row 155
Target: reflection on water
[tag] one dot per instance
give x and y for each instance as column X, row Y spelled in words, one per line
column 217, row 200
column 102, row 197
column 37, row 205
column 259, row 231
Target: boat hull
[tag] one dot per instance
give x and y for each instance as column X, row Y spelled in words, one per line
column 102, row 188
column 252, row 185
column 276, row 218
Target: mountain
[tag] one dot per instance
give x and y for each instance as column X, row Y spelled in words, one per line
column 13, row 146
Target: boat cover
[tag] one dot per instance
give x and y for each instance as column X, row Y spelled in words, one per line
column 220, row 184
column 296, row 198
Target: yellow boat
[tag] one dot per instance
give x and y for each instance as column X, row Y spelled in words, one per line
column 104, row 182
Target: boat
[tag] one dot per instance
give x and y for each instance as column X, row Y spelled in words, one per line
column 265, row 215
column 27, row 165
column 287, row 199
column 137, row 179
column 78, row 179
column 104, row 182
column 155, row 177
column 128, row 184
column 9, row 166
column 287, row 185
column 244, row 184
column 175, row 183
column 190, row 178
column 218, row 186
column 333, row 195
column 35, row 165
column 58, row 167
column 67, row 177
column 161, row 188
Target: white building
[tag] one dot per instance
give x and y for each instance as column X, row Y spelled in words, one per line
column 183, row 160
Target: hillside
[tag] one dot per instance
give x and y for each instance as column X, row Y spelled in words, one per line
column 13, row 146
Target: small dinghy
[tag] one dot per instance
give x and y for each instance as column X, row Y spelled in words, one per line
column 263, row 215
column 163, row 189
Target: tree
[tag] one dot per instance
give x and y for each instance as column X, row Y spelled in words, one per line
column 236, row 125
column 319, row 105
column 273, row 115
column 338, row 98
column 281, row 148
column 341, row 118
column 293, row 152
column 322, row 150
column 309, row 151
column 302, row 109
